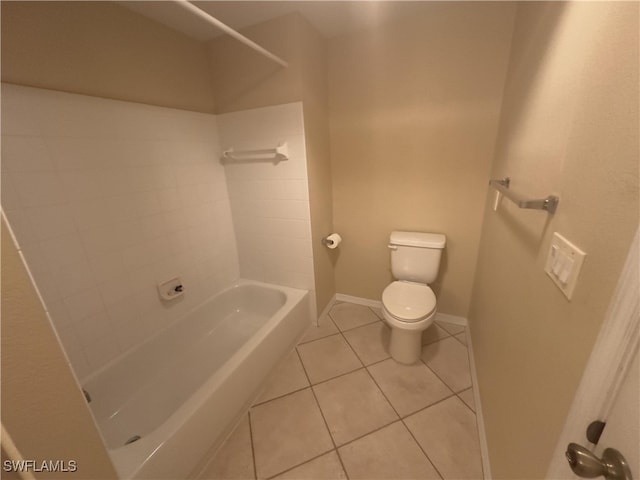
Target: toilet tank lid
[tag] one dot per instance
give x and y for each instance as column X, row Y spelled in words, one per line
column 418, row 239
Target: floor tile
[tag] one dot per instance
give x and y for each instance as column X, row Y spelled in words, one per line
column 462, row 337
column 408, row 387
column 328, row 357
column 287, row 432
column 433, row 334
column 288, row 378
column 448, row 434
column 389, row 453
column 326, row 467
column 353, row 405
column 449, row 359
column 370, row 342
column 325, row 328
column 349, row 315
column 378, row 312
column 451, row 328
column 468, row 398
column 234, row 459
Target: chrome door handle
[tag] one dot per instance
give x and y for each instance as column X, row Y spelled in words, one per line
column 612, row 466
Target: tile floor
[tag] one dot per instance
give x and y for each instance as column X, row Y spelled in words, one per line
column 339, row 407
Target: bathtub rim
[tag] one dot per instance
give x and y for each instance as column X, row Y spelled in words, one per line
column 237, row 283
column 126, row 458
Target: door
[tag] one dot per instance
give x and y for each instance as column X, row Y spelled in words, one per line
column 622, row 430
column 609, row 390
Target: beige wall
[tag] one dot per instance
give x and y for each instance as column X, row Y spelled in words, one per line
column 414, row 107
column 103, row 49
column 76, row 47
column 316, row 118
column 43, row 408
column 569, row 127
column 245, row 80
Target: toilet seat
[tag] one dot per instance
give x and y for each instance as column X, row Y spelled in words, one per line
column 408, row 302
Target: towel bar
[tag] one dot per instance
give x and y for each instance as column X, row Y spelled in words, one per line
column 549, row 204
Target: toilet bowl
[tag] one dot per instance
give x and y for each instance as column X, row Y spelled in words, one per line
column 409, row 304
column 409, row 308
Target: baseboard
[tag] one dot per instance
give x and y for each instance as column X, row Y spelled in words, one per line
column 326, row 309
column 440, row 317
column 482, row 434
column 452, row 319
column 341, row 297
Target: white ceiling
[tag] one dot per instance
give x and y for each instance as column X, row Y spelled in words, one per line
column 330, row 18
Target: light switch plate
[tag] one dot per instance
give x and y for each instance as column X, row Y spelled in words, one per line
column 564, row 262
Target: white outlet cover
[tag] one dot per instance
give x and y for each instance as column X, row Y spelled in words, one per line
column 563, row 264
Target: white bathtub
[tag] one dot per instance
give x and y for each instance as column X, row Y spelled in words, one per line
column 182, row 390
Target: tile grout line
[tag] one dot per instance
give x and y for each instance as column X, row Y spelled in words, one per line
column 422, row 449
column 300, row 464
column 453, row 392
column 253, row 450
column 441, row 379
column 320, row 338
column 333, row 442
column 365, row 367
column 401, row 419
column 340, row 330
column 281, row 396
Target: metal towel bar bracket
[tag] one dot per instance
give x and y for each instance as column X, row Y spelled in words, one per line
column 549, row 204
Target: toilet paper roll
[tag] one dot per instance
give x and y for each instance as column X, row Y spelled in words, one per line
column 333, row 240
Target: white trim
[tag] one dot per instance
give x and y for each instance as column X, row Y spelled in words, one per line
column 440, row 317
column 14, row 454
column 619, row 337
column 326, row 309
column 452, row 319
column 341, row 297
column 230, row 31
column 482, row 433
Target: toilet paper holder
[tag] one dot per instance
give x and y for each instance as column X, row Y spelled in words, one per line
column 326, row 241
column 332, row 241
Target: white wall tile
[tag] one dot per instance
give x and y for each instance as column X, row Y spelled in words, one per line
column 270, row 202
column 19, row 111
column 109, row 198
column 35, row 189
column 101, row 352
column 92, row 190
column 51, row 221
column 62, row 251
column 58, row 311
column 83, row 304
column 24, row 154
column 74, row 278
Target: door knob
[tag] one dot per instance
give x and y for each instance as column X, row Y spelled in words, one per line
column 612, row 466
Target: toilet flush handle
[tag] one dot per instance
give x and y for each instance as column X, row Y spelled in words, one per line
column 392, row 247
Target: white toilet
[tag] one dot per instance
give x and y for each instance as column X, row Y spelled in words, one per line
column 408, row 304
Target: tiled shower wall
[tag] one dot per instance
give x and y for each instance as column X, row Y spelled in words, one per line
column 107, row 199
column 270, row 201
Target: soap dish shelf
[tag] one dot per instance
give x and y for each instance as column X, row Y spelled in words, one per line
column 171, row 289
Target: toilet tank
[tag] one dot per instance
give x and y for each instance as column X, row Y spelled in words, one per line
column 415, row 256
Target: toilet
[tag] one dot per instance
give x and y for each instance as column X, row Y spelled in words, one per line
column 409, row 304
